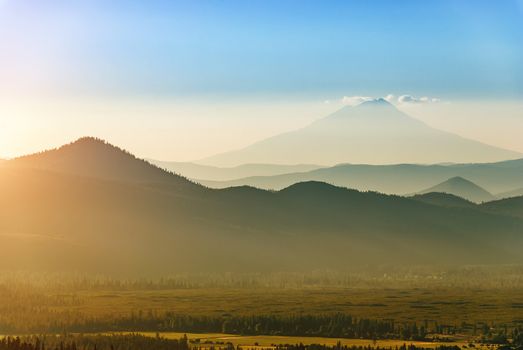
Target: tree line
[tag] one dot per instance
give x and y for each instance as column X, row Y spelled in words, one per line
column 337, row 325
column 141, row 342
column 93, row 342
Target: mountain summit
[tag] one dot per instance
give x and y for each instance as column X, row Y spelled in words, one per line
column 373, row 132
column 93, row 157
column 463, row 188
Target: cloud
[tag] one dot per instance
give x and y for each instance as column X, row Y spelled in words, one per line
column 389, row 98
column 402, row 99
column 406, row 99
column 355, row 100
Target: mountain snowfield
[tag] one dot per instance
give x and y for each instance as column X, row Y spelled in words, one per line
column 373, row 132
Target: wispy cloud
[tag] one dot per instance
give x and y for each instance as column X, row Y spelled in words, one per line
column 389, row 98
column 405, row 99
column 402, row 99
column 355, row 100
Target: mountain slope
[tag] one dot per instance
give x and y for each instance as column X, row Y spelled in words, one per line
column 205, row 172
column 463, row 188
column 509, row 206
column 93, row 157
column 443, row 199
column 394, row 179
column 509, row 194
column 66, row 221
column 373, row 132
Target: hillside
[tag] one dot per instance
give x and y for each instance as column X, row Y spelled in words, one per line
column 97, row 223
column 93, row 157
column 443, row 199
column 374, row 132
column 509, row 194
column 394, row 179
column 204, row 172
column 510, row 206
column 463, row 188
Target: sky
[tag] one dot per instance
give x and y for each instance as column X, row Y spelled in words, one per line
column 181, row 80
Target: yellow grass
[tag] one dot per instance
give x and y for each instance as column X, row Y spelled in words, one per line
column 268, row 341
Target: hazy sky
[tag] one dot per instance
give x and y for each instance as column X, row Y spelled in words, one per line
column 186, row 79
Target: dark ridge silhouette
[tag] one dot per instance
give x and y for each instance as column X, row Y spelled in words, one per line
column 312, row 187
column 463, row 188
column 443, row 199
column 399, row 179
column 94, row 157
column 509, row 206
column 107, row 221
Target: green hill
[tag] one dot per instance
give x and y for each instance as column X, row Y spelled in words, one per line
column 147, row 221
column 510, row 206
column 92, row 157
column 443, row 199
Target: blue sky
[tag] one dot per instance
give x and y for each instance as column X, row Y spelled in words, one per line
column 181, row 80
column 450, row 48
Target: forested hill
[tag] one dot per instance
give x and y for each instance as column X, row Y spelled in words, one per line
column 93, row 157
column 91, row 206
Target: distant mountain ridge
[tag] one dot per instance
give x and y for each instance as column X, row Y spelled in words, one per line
column 509, row 194
column 205, row 172
column 374, row 132
column 74, row 208
column 402, row 179
column 463, row 188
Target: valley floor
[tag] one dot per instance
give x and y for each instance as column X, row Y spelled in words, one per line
column 445, row 305
column 465, row 308
column 207, row 340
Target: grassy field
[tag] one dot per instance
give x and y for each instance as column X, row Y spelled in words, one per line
column 28, row 304
column 446, row 306
column 452, row 306
column 213, row 339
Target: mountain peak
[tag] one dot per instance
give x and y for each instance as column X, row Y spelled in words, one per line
column 374, row 132
column 92, row 144
column 89, row 140
column 458, row 180
column 463, row 188
column 93, row 139
column 94, row 157
column 377, row 102
column 377, row 108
